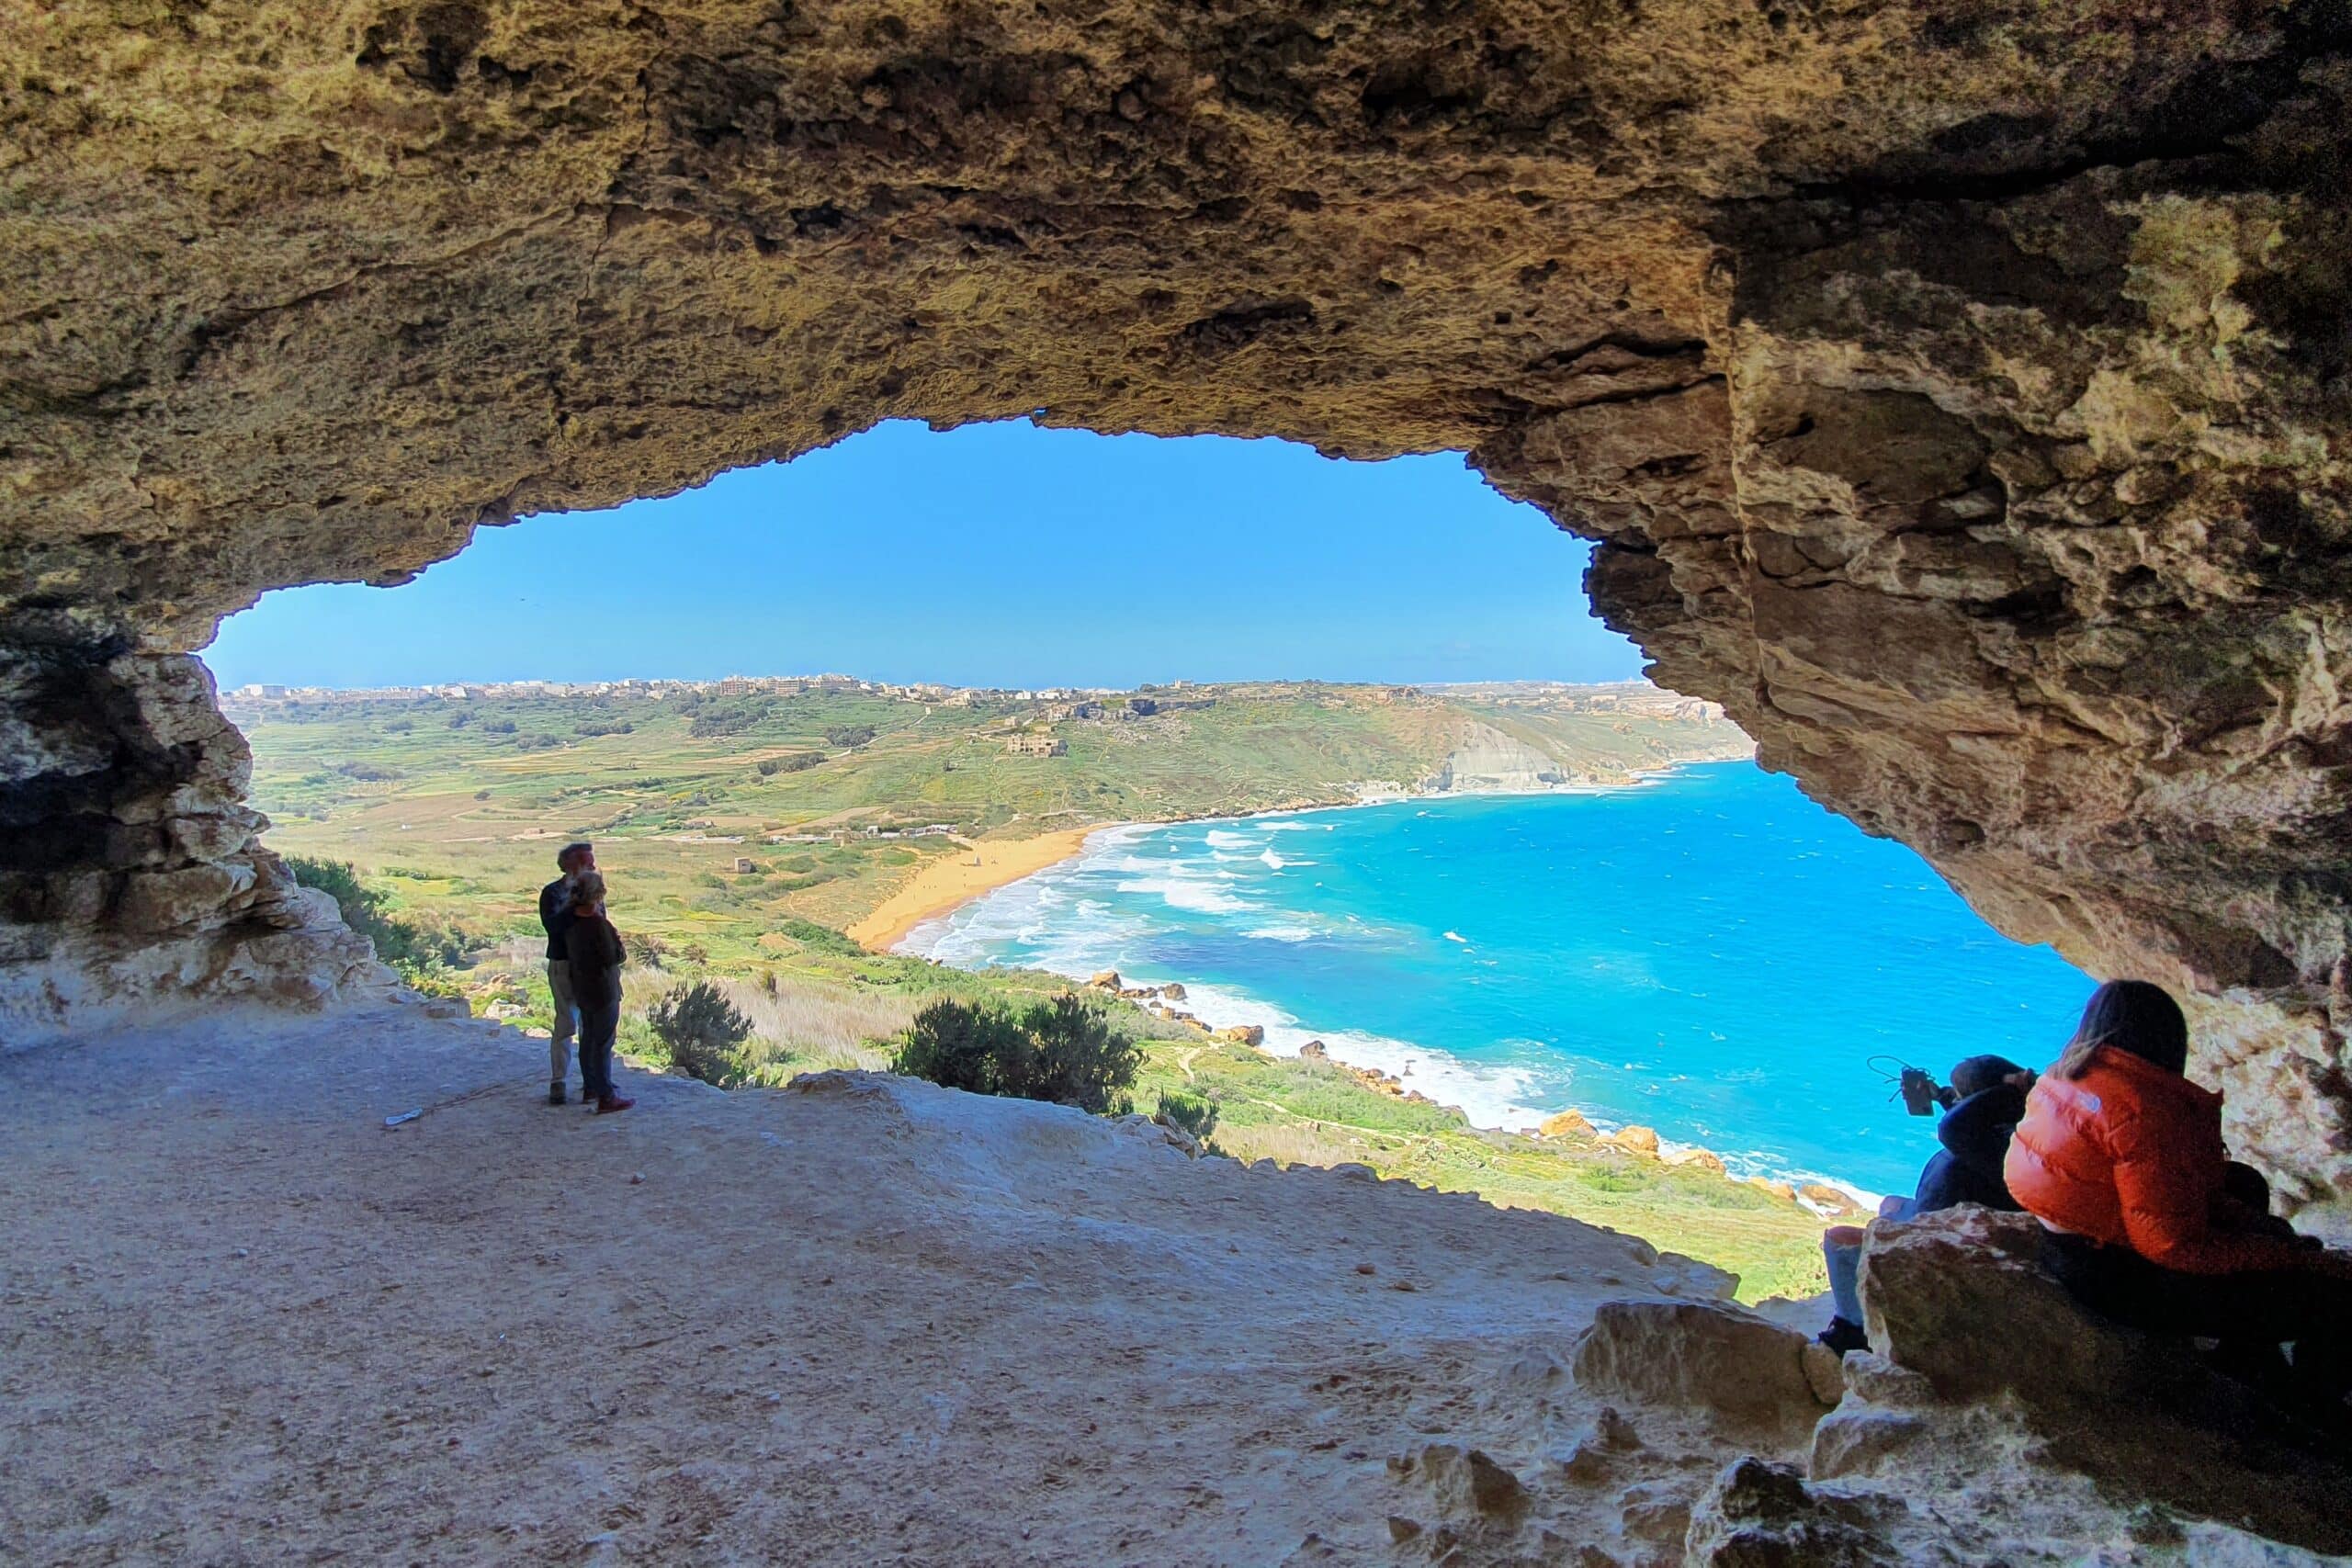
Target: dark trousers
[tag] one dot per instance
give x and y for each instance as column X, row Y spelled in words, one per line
column 2252, row 1314
column 599, row 1022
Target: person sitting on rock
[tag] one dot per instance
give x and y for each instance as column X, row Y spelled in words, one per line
column 1981, row 1108
column 2121, row 1158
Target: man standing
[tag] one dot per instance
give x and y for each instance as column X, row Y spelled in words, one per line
column 555, row 915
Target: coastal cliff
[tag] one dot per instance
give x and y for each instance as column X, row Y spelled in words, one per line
column 1490, row 760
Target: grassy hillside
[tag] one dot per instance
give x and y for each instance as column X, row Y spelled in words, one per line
column 451, row 809
column 824, row 1003
column 458, row 804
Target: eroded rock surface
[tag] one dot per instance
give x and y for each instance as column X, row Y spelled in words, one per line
column 871, row 1320
column 1959, row 392
column 1710, row 1357
column 1979, row 1359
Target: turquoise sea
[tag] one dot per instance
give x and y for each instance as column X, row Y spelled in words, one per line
column 1709, row 954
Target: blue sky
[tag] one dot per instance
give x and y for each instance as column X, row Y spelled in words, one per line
column 997, row 554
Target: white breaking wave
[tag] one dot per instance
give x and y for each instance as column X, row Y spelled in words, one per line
column 1491, row 1096
column 1178, row 892
column 1272, row 860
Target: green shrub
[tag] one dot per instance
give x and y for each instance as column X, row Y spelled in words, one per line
column 705, row 1034
column 850, row 734
column 728, row 718
column 1078, row 1057
column 792, row 763
column 814, row 938
column 960, row 1045
column 1197, row 1117
column 1064, row 1051
column 415, row 951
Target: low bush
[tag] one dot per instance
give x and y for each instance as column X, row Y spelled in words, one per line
column 956, row 1045
column 416, row 951
column 705, row 1034
column 1197, row 1117
column 791, row 762
column 728, row 718
column 1065, row 1050
column 850, row 734
column 814, row 938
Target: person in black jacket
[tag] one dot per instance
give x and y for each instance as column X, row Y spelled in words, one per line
column 593, row 949
column 1982, row 1107
column 555, row 918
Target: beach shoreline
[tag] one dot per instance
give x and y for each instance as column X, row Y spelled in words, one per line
column 1345, row 1047
column 978, row 867
column 949, row 883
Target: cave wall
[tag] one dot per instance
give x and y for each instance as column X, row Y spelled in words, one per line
column 1958, row 389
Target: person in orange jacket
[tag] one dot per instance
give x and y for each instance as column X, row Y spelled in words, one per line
column 2121, row 1158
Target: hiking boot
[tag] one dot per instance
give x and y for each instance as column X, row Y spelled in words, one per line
column 1842, row 1337
column 611, row 1103
column 555, row 1093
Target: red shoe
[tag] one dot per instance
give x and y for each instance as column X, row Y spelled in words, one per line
column 611, row 1103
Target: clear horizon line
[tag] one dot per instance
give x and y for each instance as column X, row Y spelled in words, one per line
column 429, row 686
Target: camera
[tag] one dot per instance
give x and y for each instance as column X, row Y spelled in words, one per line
column 1920, row 1095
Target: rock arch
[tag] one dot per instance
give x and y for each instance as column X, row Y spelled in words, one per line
column 1959, row 392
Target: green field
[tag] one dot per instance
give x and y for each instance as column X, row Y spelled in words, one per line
column 459, row 805
column 451, row 808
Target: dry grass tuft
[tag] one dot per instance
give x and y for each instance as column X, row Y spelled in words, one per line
column 817, row 1026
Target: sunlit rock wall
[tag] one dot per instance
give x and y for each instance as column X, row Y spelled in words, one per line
column 1959, row 389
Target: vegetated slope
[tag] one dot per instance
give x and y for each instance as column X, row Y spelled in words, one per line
column 456, row 818
column 458, row 798
column 820, row 1004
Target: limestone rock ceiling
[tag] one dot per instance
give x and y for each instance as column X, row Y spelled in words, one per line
column 1959, row 389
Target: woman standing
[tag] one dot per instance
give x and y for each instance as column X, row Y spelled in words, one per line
column 595, row 955
column 2121, row 1158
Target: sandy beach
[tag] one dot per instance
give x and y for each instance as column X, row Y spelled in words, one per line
column 974, row 869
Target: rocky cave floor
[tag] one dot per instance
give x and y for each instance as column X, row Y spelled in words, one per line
column 240, row 1320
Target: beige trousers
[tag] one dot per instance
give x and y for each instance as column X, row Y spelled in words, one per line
column 567, row 1020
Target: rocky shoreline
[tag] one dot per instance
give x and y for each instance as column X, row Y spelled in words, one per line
column 1567, row 1126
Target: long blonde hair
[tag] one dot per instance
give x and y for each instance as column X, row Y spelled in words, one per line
column 2131, row 1015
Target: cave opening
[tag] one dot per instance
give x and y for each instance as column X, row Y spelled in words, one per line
column 1959, row 400
column 1713, row 957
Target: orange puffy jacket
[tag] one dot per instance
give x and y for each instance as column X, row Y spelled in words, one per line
column 2130, row 1154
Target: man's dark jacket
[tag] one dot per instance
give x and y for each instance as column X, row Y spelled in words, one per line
column 555, row 914
column 1975, row 1138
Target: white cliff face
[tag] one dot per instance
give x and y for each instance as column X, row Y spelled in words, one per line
column 1488, row 760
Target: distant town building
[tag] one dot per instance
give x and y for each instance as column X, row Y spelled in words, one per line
column 1036, row 746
